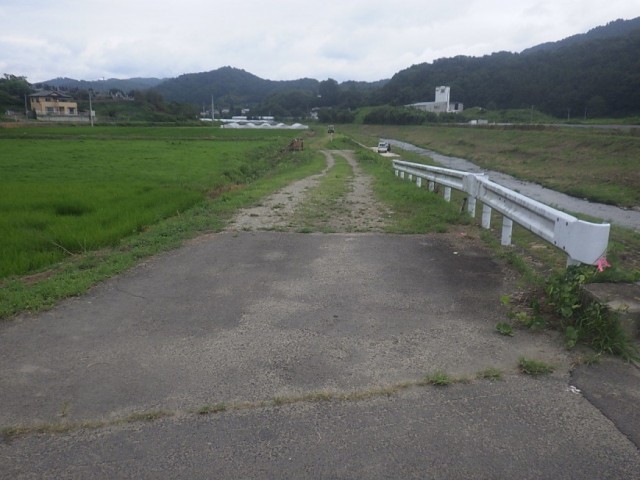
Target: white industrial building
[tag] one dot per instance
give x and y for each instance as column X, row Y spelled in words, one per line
column 442, row 104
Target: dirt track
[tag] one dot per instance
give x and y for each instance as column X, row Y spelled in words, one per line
column 360, row 210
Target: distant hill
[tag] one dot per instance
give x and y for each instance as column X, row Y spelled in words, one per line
column 617, row 28
column 595, row 74
column 231, row 84
column 124, row 85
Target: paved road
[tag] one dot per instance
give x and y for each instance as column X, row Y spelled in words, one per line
column 315, row 345
column 618, row 216
column 245, row 317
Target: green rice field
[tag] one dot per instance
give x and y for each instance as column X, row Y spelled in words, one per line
column 67, row 190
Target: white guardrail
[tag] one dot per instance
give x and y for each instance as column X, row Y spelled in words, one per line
column 583, row 242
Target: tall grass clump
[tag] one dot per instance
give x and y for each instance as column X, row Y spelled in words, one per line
column 585, row 320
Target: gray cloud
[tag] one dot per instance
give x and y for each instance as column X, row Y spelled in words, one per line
column 285, row 39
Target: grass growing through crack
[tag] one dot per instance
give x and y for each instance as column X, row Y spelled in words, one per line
column 437, row 379
column 490, row 374
column 210, row 409
column 535, row 368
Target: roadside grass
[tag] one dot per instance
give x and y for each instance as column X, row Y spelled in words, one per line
column 600, row 165
column 415, row 210
column 78, row 270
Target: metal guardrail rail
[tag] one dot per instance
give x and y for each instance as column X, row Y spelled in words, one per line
column 583, row 242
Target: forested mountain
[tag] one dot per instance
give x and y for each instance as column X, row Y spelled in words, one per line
column 597, row 74
column 123, row 85
column 231, row 84
column 234, row 88
column 617, row 28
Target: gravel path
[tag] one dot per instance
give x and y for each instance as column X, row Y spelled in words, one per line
column 361, row 212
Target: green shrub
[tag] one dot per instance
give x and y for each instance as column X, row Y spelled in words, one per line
column 584, row 320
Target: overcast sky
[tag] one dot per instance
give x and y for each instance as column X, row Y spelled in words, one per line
column 277, row 39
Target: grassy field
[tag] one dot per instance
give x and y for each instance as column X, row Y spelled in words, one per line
column 70, row 190
column 601, row 165
column 65, row 191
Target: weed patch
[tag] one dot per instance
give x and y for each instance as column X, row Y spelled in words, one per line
column 439, row 379
column 490, row 374
column 504, row 329
column 584, row 320
column 534, row 368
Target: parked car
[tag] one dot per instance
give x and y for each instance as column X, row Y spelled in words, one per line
column 383, row 146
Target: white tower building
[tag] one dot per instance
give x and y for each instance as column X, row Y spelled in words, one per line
column 443, row 96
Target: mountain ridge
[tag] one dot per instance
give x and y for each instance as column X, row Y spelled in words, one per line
column 573, row 74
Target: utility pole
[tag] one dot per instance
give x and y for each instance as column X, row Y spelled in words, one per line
column 212, row 114
column 90, row 108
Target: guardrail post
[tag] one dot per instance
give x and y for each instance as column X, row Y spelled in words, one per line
column 402, row 175
column 397, row 173
column 447, row 194
column 410, row 177
column 486, row 217
column 507, row 228
column 419, row 182
column 471, row 206
column 432, row 186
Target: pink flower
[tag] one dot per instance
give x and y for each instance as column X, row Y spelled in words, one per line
column 602, row 264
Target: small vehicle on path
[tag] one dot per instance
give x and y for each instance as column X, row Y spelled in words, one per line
column 384, row 146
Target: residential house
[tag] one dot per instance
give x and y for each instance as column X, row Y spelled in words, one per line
column 52, row 105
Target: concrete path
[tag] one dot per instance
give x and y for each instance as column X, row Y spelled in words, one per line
column 311, row 350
